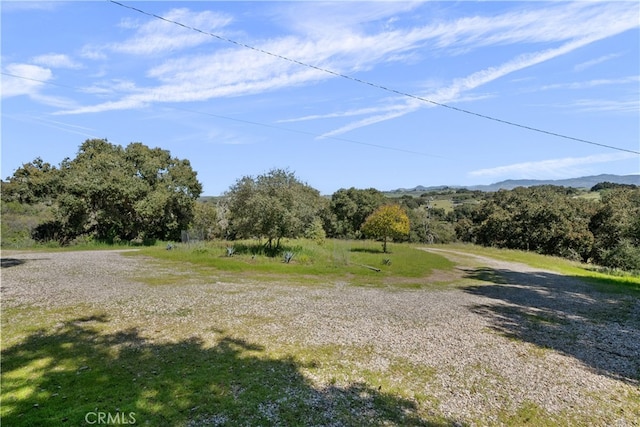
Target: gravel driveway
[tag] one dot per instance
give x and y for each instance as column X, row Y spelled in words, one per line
column 507, row 334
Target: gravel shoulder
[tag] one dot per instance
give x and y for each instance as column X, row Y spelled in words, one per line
column 508, row 335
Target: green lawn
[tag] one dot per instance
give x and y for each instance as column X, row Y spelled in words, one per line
column 356, row 262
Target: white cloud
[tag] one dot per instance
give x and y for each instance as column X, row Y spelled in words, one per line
column 184, row 90
column 453, row 92
column 125, row 104
column 56, row 60
column 93, row 52
column 29, row 80
column 449, row 94
column 390, row 113
column 32, row 79
column 591, row 83
column 349, row 113
column 156, row 36
column 111, row 87
column 552, row 168
column 347, row 14
column 588, row 64
column 236, row 71
column 560, row 22
column 630, row 105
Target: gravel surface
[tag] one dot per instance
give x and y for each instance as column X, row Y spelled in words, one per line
column 532, row 336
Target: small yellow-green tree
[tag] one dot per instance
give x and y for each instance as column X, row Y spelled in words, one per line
column 388, row 221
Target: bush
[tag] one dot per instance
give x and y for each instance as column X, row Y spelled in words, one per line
column 624, row 256
column 19, row 220
column 316, row 232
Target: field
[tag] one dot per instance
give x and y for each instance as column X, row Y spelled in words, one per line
column 342, row 334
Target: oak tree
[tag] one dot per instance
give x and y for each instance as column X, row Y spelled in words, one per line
column 273, row 206
column 351, row 207
column 111, row 193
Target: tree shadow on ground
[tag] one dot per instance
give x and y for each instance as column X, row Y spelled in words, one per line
column 370, row 250
column 74, row 373
column 10, row 262
column 563, row 313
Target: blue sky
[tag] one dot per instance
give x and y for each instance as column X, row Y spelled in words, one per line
column 78, row 70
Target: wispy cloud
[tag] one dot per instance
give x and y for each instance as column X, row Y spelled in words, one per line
column 591, row 83
column 388, row 107
column 588, row 64
column 156, row 37
column 458, row 87
column 56, row 60
column 330, row 17
column 569, row 23
column 160, row 36
column 112, row 87
column 348, row 113
column 552, row 168
column 234, row 71
column 54, row 124
column 629, row 105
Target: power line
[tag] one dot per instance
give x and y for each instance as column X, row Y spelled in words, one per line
column 36, row 80
column 375, row 85
column 352, row 141
column 303, row 132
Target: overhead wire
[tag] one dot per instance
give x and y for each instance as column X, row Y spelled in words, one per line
column 235, row 119
column 303, row 132
column 36, row 80
column 372, row 84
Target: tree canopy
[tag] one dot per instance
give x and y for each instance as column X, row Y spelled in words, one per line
column 351, row 207
column 272, row 206
column 552, row 221
column 112, row 193
column 616, row 229
column 541, row 219
column 32, row 182
column 388, row 221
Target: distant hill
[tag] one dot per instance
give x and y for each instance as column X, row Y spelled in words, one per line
column 581, row 182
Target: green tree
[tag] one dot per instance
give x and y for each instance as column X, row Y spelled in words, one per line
column 351, row 207
column 113, row 193
column 606, row 185
column 428, row 226
column 616, row 229
column 37, row 181
column 273, row 206
column 545, row 219
column 388, row 221
column 205, row 220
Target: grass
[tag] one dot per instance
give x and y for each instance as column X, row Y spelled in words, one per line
column 589, row 195
column 619, row 282
column 359, row 263
column 445, row 204
column 67, row 371
column 54, row 246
